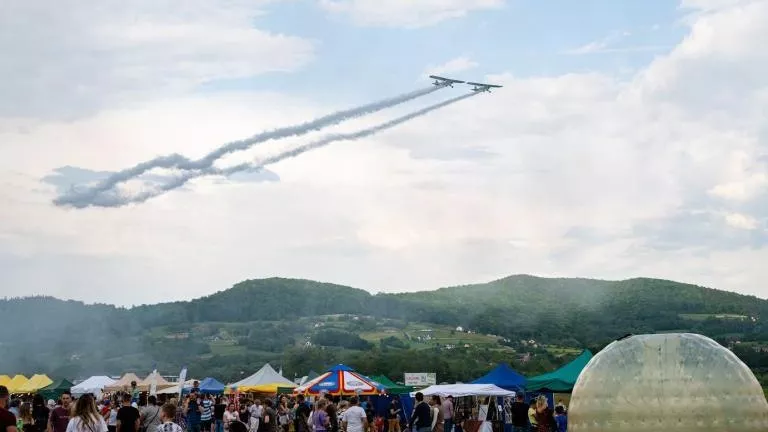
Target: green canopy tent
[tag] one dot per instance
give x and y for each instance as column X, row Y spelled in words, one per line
column 55, row 390
column 561, row 380
column 391, row 387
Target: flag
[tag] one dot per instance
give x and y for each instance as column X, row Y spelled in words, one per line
column 182, row 378
column 153, row 384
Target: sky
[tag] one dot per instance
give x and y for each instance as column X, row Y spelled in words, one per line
column 629, row 140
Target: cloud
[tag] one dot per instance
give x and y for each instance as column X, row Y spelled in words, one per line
column 453, row 66
column 74, row 58
column 406, row 13
column 607, row 45
column 659, row 174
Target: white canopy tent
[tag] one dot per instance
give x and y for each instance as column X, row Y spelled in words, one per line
column 460, row 390
column 265, row 380
column 175, row 389
column 94, row 385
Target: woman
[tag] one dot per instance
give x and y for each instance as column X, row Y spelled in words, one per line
column 320, row 420
column 26, row 422
column 543, row 415
column 40, row 413
column 86, row 417
column 230, row 415
column 333, row 418
column 438, row 420
column 283, row 414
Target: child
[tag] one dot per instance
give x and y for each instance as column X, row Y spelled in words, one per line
column 379, row 423
column 167, row 414
column 561, row 419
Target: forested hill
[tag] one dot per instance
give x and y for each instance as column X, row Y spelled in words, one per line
column 275, row 318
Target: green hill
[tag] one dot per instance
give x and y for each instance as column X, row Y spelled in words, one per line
column 304, row 325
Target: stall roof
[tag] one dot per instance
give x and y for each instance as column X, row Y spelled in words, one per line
column 34, row 384
column 459, row 390
column 503, row 376
column 16, row 382
column 391, row 387
column 94, row 384
column 55, row 390
column 561, row 380
column 265, row 380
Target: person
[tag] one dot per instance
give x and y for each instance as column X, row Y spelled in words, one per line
column 422, row 415
column 532, row 416
column 230, row 415
column 393, row 417
column 219, row 408
column 150, row 415
column 354, row 418
column 86, row 417
column 320, row 420
column 128, row 416
column 519, row 414
column 25, row 422
column 544, row 418
column 167, row 415
column 333, row 418
column 268, row 422
column 206, row 418
column 447, row 409
column 60, row 415
column 256, row 412
column 110, row 414
column 7, row 419
column 303, row 411
column 40, row 413
column 134, row 393
column 438, row 421
column 284, row 415
column 194, row 412
column 561, row 419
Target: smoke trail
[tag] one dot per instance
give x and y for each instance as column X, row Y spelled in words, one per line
column 119, row 201
column 89, row 197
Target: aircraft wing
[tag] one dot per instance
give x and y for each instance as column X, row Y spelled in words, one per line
column 484, row 85
column 450, row 80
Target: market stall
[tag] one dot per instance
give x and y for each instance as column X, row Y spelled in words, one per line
column 265, row 380
column 340, row 380
column 94, row 385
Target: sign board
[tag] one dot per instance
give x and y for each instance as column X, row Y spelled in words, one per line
column 420, row 379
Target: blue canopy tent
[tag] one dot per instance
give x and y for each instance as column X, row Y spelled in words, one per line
column 211, row 386
column 505, row 377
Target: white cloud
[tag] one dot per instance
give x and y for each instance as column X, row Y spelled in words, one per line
column 608, row 45
column 741, row 221
column 406, row 13
column 573, row 175
column 73, row 58
column 453, row 66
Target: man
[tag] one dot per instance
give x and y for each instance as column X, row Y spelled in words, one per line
column 206, row 418
column 303, row 411
column 354, row 418
column 422, row 415
column 269, row 417
column 519, row 414
column 150, row 415
column 128, row 416
column 447, row 408
column 194, row 412
column 60, row 415
column 257, row 412
column 167, row 414
column 7, row 420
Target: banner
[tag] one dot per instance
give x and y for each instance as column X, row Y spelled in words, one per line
column 182, row 378
column 420, row 379
column 153, row 385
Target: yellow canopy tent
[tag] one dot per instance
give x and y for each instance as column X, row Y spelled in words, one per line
column 4, row 380
column 34, row 384
column 16, row 382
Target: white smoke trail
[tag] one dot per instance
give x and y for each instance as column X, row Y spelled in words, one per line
column 119, row 201
column 90, row 196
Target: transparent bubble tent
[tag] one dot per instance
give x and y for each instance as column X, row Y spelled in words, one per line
column 677, row 382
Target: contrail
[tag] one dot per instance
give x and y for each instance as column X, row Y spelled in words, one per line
column 88, row 197
column 119, row 201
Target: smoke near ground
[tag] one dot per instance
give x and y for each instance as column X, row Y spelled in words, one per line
column 92, row 196
column 116, row 200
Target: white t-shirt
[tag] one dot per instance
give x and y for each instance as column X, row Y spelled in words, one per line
column 354, row 416
column 76, row 425
column 112, row 417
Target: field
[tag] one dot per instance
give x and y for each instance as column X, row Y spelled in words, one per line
column 702, row 317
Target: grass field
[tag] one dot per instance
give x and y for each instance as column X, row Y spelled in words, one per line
column 438, row 335
column 226, row 348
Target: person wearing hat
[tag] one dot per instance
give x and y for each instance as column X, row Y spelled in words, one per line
column 7, row 419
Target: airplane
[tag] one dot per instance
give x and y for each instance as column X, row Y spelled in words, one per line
column 440, row 81
column 479, row 87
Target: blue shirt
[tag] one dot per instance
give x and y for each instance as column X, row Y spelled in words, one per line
column 193, row 415
column 562, row 423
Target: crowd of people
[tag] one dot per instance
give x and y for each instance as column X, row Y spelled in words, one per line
column 131, row 412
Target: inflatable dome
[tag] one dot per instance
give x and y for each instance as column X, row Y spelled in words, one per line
column 667, row 382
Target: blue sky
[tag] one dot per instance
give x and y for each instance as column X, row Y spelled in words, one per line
column 629, row 140
column 525, row 38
